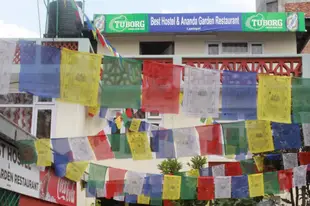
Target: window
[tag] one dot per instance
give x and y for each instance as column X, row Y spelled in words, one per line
column 156, row 48
column 272, row 6
column 234, row 48
column 32, row 114
column 154, row 115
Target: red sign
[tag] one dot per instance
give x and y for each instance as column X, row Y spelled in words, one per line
column 56, row 189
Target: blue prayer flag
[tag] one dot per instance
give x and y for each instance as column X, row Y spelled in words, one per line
column 62, row 151
column 103, row 112
column 39, row 70
column 206, row 172
column 131, row 198
column 60, row 170
column 239, row 186
column 239, row 95
column 90, row 191
column 164, row 145
column 286, row 136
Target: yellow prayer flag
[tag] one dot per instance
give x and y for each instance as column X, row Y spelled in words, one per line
column 75, row 170
column 43, row 147
column 180, row 97
column 193, row 173
column 144, row 200
column 79, row 77
column 118, row 122
column 256, row 185
column 230, row 156
column 209, row 121
column 139, row 146
column 92, row 111
column 259, row 161
column 171, row 187
column 135, row 124
column 259, row 136
column 274, row 98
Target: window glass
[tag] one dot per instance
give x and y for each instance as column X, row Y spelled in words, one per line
column 21, row 116
column 44, row 120
column 16, row 98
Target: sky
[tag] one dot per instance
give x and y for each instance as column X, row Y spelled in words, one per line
column 19, row 18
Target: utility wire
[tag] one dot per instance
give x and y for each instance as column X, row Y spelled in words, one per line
column 38, row 7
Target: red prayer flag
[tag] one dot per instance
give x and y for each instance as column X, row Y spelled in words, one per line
column 168, row 203
column 233, row 169
column 101, row 146
column 161, row 87
column 304, row 158
column 116, row 181
column 285, row 179
column 205, row 188
column 210, row 139
column 129, row 113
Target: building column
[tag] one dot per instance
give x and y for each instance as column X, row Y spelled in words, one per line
column 306, row 65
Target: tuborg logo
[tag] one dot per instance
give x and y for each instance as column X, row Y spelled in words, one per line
column 121, row 23
column 258, row 22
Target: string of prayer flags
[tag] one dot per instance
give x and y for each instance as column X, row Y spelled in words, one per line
column 222, row 187
column 81, row 149
column 135, row 125
column 286, row 136
column 43, row 148
column 134, row 183
column 39, row 70
column 233, row 169
column 290, row 160
column 120, row 146
column 121, row 82
column 300, row 100
column 306, row 133
column 205, row 188
column 100, row 143
column 188, row 188
column 27, row 151
column 172, row 187
column 274, row 98
column 7, row 52
column 186, row 142
column 235, row 139
column 139, row 146
column 163, row 143
column 271, row 183
column 142, row 199
column 285, row 178
column 239, row 95
column 256, row 185
column 62, row 151
column 161, row 87
column 210, row 139
column 201, row 92
column 75, row 170
column 259, row 136
column 239, row 187
column 218, row 170
column 96, row 177
column 300, row 176
column 79, row 77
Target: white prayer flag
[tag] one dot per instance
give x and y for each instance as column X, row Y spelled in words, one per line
column 201, row 92
column 134, row 183
column 7, row 52
column 289, row 160
column 306, row 133
column 218, row 170
column 186, row 142
column 222, row 187
column 81, row 149
column 300, row 176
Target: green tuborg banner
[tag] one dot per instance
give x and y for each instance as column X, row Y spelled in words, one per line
column 200, row 22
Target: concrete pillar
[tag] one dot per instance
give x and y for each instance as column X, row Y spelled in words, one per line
column 306, row 65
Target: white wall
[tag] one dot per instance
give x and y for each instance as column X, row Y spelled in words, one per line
column 274, row 43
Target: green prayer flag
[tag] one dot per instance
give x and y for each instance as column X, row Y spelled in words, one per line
column 188, row 188
column 97, row 175
column 271, row 183
column 235, row 138
column 156, row 201
column 120, row 146
column 248, row 166
column 301, row 100
column 27, row 151
column 121, row 83
column 202, row 120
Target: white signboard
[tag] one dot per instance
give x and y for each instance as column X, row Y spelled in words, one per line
column 17, row 177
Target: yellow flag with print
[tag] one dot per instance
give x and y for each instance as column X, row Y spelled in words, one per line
column 43, row 147
column 259, row 136
column 75, row 170
column 259, row 161
column 144, row 200
column 171, row 187
column 139, row 146
column 79, row 77
column 118, row 122
column 135, row 125
column 274, row 98
column 256, row 185
column 93, row 111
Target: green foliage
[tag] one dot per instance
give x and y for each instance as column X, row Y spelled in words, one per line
column 197, row 162
column 170, row 166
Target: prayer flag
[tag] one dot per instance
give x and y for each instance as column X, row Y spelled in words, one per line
column 75, row 170
column 186, row 142
column 286, row 136
column 304, row 158
column 134, row 183
column 222, row 187
column 210, row 139
column 271, row 183
column 142, row 199
column 300, row 100
column 139, row 146
column 205, row 188
column 233, row 169
column 27, row 151
column 300, row 176
column 256, row 185
column 62, row 151
column 101, row 146
column 235, row 139
column 135, row 124
column 172, row 187
column 285, row 178
column 44, row 151
column 239, row 187
column 289, row 160
column 188, row 188
column 96, row 177
column 81, row 149
column 7, row 51
column 120, row 146
column 163, row 143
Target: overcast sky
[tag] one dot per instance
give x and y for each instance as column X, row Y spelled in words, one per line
column 19, row 18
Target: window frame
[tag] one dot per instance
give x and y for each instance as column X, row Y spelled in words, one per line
column 35, row 106
column 220, row 44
